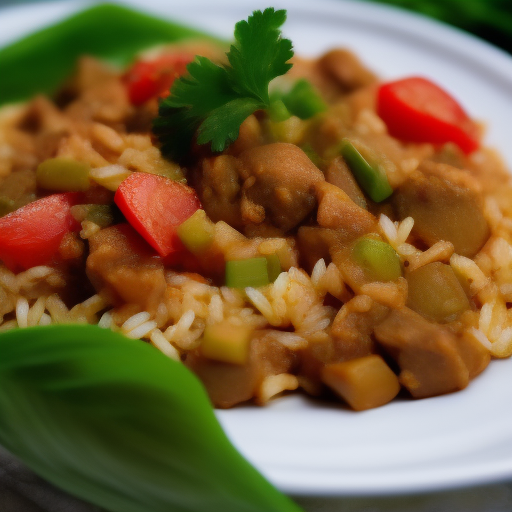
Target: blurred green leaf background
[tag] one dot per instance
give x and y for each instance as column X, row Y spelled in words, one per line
column 488, row 19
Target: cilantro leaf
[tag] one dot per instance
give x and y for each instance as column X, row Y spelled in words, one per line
column 259, row 54
column 212, row 101
column 221, row 127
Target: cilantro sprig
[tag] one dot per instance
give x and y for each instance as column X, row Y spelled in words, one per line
column 212, row 101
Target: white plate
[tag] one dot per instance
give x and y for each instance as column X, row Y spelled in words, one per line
column 408, row 446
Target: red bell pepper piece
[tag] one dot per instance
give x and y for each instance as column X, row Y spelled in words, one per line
column 148, row 79
column 155, row 206
column 417, row 110
column 31, row 235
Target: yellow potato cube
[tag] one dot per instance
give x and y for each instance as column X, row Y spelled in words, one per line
column 364, row 383
column 226, row 342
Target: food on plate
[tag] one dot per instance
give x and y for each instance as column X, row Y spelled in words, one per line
column 275, row 223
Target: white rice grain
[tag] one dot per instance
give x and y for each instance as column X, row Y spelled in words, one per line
column 141, row 330
column 22, row 309
column 160, row 342
column 404, row 230
column 106, row 320
column 135, row 320
column 318, row 272
column 389, row 229
column 275, row 384
column 36, row 311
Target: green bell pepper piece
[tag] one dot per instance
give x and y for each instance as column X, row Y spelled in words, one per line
column 370, row 175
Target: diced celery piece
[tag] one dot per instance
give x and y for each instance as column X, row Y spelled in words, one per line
column 273, row 267
column 368, row 172
column 63, row 174
column 251, row 272
column 196, row 232
column 226, row 342
column 303, row 100
column 378, row 259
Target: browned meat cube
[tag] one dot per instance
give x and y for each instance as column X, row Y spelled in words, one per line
column 432, row 359
column 280, row 178
column 123, row 266
column 443, row 210
column 229, row 384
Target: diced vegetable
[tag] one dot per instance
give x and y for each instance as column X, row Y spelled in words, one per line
column 277, row 111
column 227, row 342
column 368, row 171
column 6, row 205
column 63, row 174
column 379, row 260
column 364, row 383
column 196, row 232
column 148, row 79
column 155, row 207
column 417, row 110
column 31, row 235
column 303, row 101
column 110, row 176
column 273, row 267
column 251, row 272
column 435, row 292
column 101, row 214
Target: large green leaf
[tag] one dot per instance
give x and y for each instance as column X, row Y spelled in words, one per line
column 115, row 422
column 40, row 62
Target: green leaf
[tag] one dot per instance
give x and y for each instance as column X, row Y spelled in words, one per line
column 222, row 126
column 41, row 62
column 205, row 88
column 259, row 54
column 215, row 100
column 113, row 421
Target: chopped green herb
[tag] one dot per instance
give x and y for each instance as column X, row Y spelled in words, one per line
column 212, row 100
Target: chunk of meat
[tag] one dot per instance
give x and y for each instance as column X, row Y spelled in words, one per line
column 122, row 266
column 229, row 384
column 219, row 189
column 432, row 359
column 346, row 69
column 336, row 210
column 280, row 178
column 351, row 338
column 443, row 209
column 339, row 174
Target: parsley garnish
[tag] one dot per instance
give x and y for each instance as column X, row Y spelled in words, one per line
column 212, row 100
